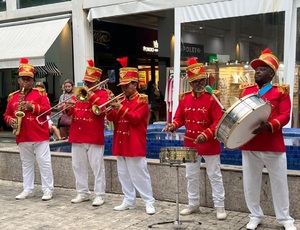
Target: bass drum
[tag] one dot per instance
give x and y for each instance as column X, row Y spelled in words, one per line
column 237, row 123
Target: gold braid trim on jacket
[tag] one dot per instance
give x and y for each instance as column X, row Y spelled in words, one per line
column 282, row 88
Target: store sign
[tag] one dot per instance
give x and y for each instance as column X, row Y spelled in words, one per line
column 192, row 50
column 101, row 37
column 153, row 49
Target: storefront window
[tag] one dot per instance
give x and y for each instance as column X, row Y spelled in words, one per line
column 296, row 103
column 2, row 5
column 227, row 46
column 30, row 3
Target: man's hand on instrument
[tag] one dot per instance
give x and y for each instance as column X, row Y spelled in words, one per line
column 13, row 122
column 169, row 128
column 26, row 106
column 116, row 105
column 200, row 139
column 264, row 126
column 70, row 103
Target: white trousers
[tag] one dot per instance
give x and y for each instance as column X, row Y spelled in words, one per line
column 39, row 151
column 84, row 155
column 275, row 162
column 134, row 175
column 215, row 177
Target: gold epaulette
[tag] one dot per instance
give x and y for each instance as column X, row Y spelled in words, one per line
column 143, row 98
column 182, row 95
column 11, row 95
column 283, row 88
column 217, row 93
column 41, row 91
column 244, row 86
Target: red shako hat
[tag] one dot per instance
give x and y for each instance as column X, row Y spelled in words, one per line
column 127, row 74
column 195, row 70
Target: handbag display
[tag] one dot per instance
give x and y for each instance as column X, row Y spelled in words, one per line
column 65, row 120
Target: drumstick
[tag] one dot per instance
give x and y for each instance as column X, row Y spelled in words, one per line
column 209, row 89
column 189, row 138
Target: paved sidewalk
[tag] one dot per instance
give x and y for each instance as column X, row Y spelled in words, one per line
column 60, row 213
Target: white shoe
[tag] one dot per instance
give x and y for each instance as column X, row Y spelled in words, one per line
column 47, row 195
column 98, row 201
column 23, row 195
column 80, row 198
column 221, row 213
column 253, row 223
column 150, row 210
column 123, row 207
column 289, row 226
column 189, row 210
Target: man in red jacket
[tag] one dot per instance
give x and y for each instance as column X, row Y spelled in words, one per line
column 87, row 138
column 267, row 148
column 130, row 119
column 33, row 138
column 200, row 113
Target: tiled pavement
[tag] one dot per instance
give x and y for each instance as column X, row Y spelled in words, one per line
column 60, row 213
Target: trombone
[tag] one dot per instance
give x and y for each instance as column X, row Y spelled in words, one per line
column 97, row 108
column 81, row 93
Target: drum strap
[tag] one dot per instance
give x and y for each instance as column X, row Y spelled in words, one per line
column 265, row 89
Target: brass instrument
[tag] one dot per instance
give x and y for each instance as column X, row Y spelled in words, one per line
column 81, row 94
column 19, row 113
column 97, row 109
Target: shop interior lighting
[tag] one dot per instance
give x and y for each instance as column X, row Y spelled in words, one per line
column 246, row 65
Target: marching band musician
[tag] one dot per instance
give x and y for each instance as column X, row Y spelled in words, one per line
column 33, row 138
column 130, row 118
column 267, row 148
column 200, row 114
column 87, row 138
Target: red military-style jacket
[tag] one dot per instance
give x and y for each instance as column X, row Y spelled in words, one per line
column 86, row 126
column 31, row 130
column 130, row 126
column 280, row 100
column 199, row 113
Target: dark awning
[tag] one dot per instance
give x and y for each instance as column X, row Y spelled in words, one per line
column 49, row 69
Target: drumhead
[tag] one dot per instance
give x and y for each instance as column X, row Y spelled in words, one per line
column 241, row 132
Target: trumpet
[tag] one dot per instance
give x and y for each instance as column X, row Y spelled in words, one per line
column 81, row 93
column 97, row 108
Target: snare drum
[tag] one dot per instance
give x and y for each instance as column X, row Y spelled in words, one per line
column 178, row 155
column 237, row 123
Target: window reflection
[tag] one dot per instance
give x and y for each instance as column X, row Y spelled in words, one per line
column 2, row 5
column 30, row 3
column 226, row 47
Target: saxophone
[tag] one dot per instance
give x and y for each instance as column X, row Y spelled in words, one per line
column 19, row 113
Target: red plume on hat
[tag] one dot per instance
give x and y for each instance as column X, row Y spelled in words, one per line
column 91, row 63
column 123, row 61
column 192, row 61
column 266, row 51
column 23, row 61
